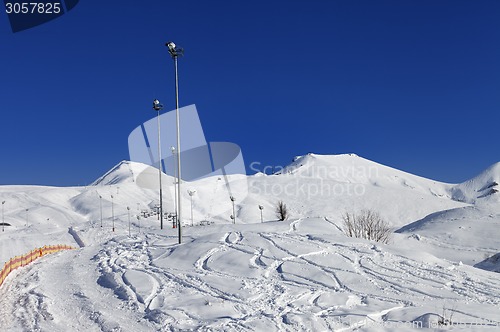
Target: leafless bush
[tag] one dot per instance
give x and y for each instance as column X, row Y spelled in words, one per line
column 366, row 225
column 447, row 317
column 282, row 211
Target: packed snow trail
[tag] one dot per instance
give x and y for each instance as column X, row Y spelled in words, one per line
column 287, row 276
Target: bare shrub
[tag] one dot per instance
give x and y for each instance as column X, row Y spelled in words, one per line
column 282, row 211
column 447, row 318
column 366, row 225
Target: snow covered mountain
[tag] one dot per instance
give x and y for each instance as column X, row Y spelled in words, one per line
column 329, row 185
column 301, row 274
column 350, row 168
column 482, row 188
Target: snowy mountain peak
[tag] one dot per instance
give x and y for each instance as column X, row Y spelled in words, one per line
column 352, row 169
column 312, row 159
column 485, row 187
column 123, row 172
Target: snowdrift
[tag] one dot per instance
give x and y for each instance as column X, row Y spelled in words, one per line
column 301, row 274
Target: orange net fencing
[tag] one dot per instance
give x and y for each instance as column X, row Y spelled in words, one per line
column 23, row 260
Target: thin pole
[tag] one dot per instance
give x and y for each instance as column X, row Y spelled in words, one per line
column 174, row 223
column 100, row 205
column 27, row 218
column 113, row 212
column 192, row 223
column 234, row 214
column 3, row 217
column 159, row 171
column 128, row 210
column 179, row 206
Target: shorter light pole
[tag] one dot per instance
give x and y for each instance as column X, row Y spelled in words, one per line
column 191, row 193
column 233, row 216
column 261, row 208
column 128, row 211
column 100, row 205
column 3, row 217
column 139, row 221
column 175, row 185
column 157, row 106
column 113, row 211
column 27, row 217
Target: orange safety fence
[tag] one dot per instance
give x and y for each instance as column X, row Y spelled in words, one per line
column 23, row 260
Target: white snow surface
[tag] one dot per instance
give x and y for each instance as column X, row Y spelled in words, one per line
column 302, row 274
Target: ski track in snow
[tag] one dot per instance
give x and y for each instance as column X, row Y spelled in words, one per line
column 298, row 275
column 295, row 281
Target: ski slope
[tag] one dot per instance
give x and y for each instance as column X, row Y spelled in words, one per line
column 302, row 274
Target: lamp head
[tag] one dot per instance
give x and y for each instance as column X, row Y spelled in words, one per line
column 171, row 46
column 157, row 105
column 174, row 50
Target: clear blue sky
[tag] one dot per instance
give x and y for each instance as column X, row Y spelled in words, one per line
column 411, row 84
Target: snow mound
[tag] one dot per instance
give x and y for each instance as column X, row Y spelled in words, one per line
column 490, row 264
column 473, row 231
column 482, row 188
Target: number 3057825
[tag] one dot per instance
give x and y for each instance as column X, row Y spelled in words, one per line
column 33, row 8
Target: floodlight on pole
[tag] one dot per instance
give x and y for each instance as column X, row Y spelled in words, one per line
column 3, row 217
column 191, row 193
column 157, row 106
column 175, row 52
column 261, row 208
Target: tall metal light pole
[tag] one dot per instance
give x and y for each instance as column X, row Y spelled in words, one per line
column 261, row 208
column 3, row 217
column 191, row 193
column 158, row 107
column 233, row 216
column 113, row 211
column 175, row 52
